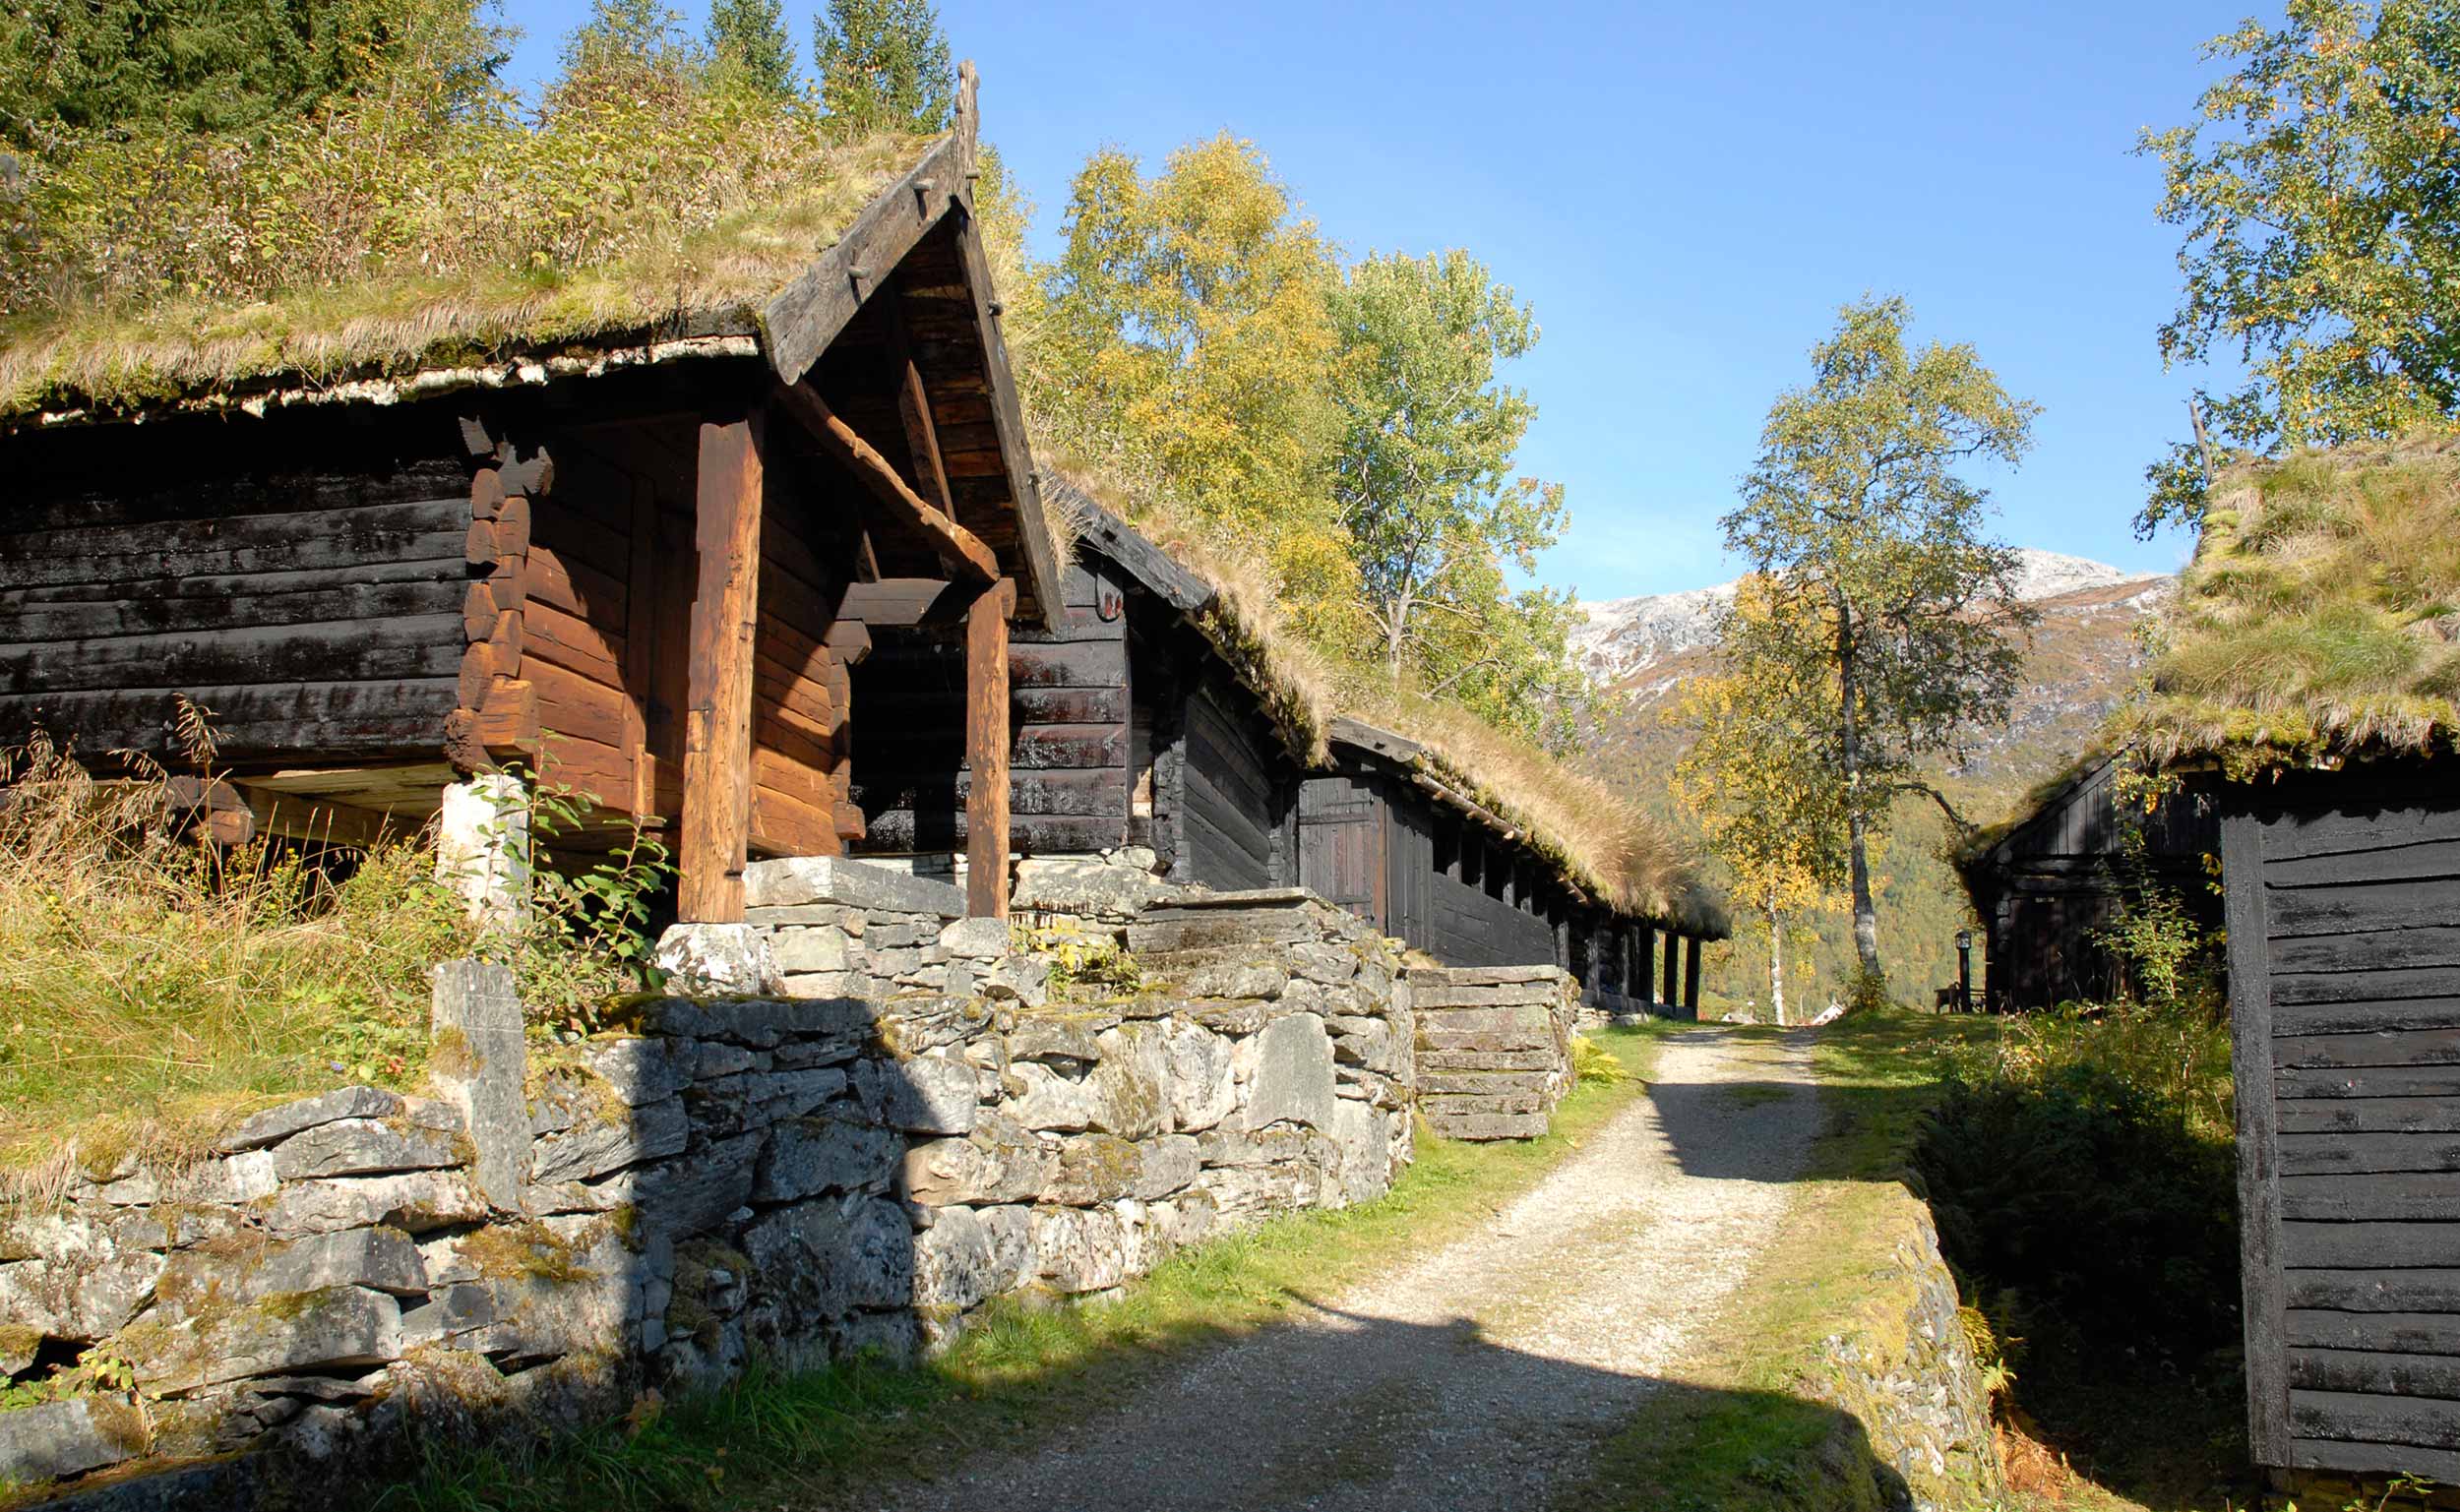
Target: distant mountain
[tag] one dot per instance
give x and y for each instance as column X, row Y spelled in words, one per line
column 1628, row 636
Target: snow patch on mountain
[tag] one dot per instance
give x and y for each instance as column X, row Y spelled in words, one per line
column 1624, row 636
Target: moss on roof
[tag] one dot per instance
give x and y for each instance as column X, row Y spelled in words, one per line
column 484, row 246
column 2319, row 621
column 1591, row 836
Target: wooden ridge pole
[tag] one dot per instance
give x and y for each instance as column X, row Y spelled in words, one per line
column 717, row 835
column 986, row 750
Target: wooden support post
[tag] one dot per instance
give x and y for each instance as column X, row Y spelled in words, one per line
column 1690, row 974
column 1644, row 959
column 1666, row 992
column 718, row 718
column 986, row 750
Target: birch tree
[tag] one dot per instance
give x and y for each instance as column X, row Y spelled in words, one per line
column 1879, row 575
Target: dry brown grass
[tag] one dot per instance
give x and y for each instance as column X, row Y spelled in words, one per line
column 1593, row 838
column 2320, row 619
column 151, row 989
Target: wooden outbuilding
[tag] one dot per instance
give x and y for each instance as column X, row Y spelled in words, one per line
column 2339, row 800
column 1387, row 835
column 1130, row 728
column 2045, row 884
column 644, row 560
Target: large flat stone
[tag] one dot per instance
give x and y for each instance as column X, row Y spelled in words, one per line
column 598, row 1145
column 67, row 1439
column 422, row 1138
column 796, row 881
column 238, row 1272
column 925, row 1095
column 831, row 1259
column 415, row 1201
column 276, row 1123
column 1293, row 1078
column 339, row 1328
column 810, row 1156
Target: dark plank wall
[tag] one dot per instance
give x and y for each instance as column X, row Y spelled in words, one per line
column 1068, row 718
column 2349, row 1064
column 1233, row 799
column 310, row 599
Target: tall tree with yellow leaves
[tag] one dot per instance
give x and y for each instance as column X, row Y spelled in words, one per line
column 1754, row 779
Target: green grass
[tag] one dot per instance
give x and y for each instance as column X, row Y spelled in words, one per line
column 1017, row 1368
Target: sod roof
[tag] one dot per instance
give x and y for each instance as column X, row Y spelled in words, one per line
column 2319, row 621
column 1583, row 830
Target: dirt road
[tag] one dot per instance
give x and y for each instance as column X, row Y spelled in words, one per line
column 1483, row 1373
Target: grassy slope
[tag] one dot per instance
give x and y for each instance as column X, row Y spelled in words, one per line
column 823, row 1435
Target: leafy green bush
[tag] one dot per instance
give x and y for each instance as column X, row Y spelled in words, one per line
column 2081, row 1179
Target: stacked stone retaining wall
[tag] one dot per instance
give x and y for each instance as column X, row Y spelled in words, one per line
column 1494, row 1048
column 794, row 1175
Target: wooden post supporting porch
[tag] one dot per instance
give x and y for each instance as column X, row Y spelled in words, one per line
column 986, row 750
column 715, row 843
column 1644, row 958
column 1690, row 974
column 1668, row 992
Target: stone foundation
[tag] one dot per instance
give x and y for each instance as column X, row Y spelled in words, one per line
column 794, row 1177
column 1494, row 1048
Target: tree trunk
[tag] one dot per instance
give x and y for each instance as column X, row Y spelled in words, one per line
column 1776, row 959
column 1856, row 829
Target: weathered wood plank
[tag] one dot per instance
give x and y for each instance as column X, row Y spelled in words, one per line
column 2371, row 1246
column 2325, row 1153
column 393, row 715
column 2428, row 1114
column 570, row 703
column 2376, row 1459
column 2375, row 1373
column 1017, row 480
column 2362, row 908
column 2420, row 1421
column 2396, row 1083
column 2410, row 953
column 2368, row 1014
column 717, row 723
column 2311, row 833
column 341, row 650
column 2389, row 1197
column 576, row 588
column 2407, row 1332
column 575, row 645
column 987, row 750
column 2262, row 1198
column 2337, row 1052
column 800, row 322
column 2417, row 1290
column 1083, row 664
column 31, row 624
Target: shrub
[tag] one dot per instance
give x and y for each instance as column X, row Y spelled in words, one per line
column 1594, row 1062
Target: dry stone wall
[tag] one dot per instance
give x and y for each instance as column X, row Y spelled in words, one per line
column 1494, row 1048
column 794, row 1177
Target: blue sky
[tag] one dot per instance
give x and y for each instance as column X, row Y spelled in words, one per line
column 1685, row 193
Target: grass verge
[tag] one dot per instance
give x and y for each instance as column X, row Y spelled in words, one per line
column 824, row 1434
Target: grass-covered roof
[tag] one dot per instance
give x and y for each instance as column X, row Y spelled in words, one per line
column 2319, row 621
column 1591, row 836
column 365, row 247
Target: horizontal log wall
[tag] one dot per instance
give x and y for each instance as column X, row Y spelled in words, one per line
column 1234, row 794
column 2342, row 891
column 309, row 598
column 1068, row 723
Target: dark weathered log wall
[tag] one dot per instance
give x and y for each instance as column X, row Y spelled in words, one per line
column 309, row 595
column 1233, row 800
column 1068, row 714
column 2344, row 965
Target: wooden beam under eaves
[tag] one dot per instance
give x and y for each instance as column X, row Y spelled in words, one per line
column 961, row 549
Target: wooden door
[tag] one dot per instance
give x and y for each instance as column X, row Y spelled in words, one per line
column 1341, row 844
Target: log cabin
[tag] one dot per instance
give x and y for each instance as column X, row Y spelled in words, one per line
column 642, row 557
column 2048, row 882
column 1143, row 719
column 1130, row 728
column 2310, row 684
column 1394, row 834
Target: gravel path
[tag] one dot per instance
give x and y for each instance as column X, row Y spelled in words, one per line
column 1480, row 1374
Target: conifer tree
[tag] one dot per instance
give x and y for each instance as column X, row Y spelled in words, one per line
column 884, row 66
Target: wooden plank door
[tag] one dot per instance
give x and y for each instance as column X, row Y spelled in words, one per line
column 1340, row 845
